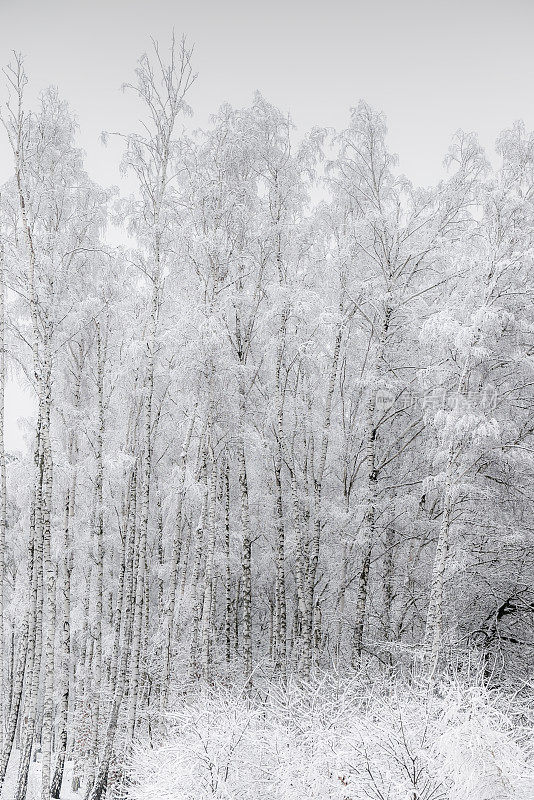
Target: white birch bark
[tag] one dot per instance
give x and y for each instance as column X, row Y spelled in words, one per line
column 66, row 568
column 143, row 526
column 228, row 573
column 50, row 577
column 247, row 546
column 307, row 638
column 125, row 579
column 25, row 639
column 197, row 584
column 98, row 571
column 35, row 637
column 281, row 615
column 98, row 788
column 368, row 529
column 207, row 610
column 371, row 479
column 175, row 563
column 3, row 500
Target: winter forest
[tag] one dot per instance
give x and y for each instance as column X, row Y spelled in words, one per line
column 271, row 532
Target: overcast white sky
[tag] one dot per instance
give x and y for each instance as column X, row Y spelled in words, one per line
column 432, row 67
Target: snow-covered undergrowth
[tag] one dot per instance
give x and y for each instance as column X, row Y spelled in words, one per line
column 453, row 743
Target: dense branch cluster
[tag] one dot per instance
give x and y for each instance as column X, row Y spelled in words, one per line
column 272, row 436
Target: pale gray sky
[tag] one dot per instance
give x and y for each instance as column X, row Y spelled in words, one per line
column 432, row 67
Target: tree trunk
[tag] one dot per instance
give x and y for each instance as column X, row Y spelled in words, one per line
column 50, row 575
column 98, row 562
column 317, row 513
column 70, row 505
column 3, row 500
column 34, row 650
column 97, row 790
column 246, row 561
column 175, row 563
column 143, row 527
column 368, row 530
column 228, row 574
column 57, row 780
column 206, row 633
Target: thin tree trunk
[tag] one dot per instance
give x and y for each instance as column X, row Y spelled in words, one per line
column 33, row 665
column 246, row 559
column 317, row 513
column 80, row 704
column 175, row 563
column 196, row 582
column 145, row 508
column 70, row 505
column 369, row 521
column 3, row 500
column 55, row 789
column 98, row 540
column 368, row 530
column 228, row 574
column 124, row 573
column 50, row 575
column 97, row 790
column 206, row 632
column 22, row 661
column 432, row 640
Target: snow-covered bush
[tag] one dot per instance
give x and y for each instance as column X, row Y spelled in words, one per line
column 217, row 749
column 409, row 742
column 480, row 749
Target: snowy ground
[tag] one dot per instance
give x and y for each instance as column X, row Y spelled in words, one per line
column 34, row 782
